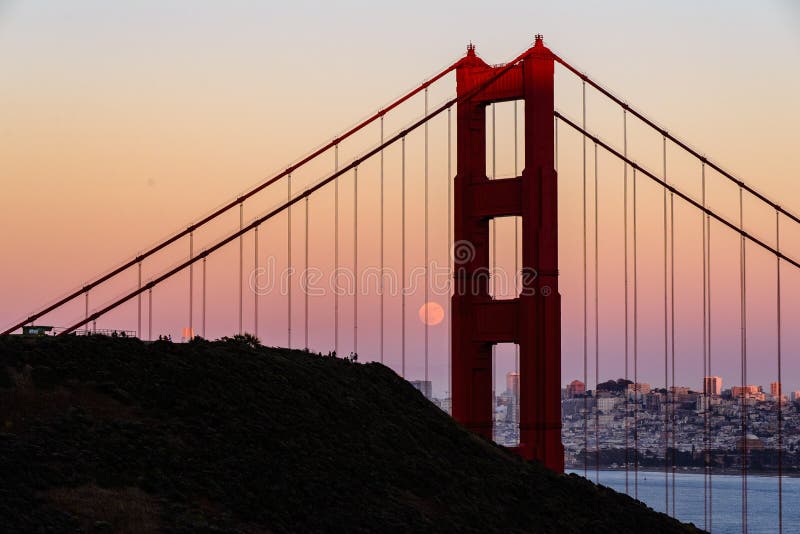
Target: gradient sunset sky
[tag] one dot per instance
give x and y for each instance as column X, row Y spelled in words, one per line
column 121, row 123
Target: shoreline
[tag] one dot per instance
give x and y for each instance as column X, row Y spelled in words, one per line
column 691, row 471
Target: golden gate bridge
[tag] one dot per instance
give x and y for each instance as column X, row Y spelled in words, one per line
column 479, row 317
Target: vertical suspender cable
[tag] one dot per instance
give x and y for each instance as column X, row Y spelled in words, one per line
column 254, row 288
column 449, row 256
column 355, row 260
column 555, row 165
column 150, row 314
column 336, row 251
column 672, row 324
column 743, row 308
column 555, row 144
column 139, row 302
column 382, row 250
column 86, row 309
column 204, row 298
column 515, row 394
column 241, row 265
column 780, row 383
column 596, row 318
column 636, row 387
column 625, row 256
column 191, row 286
column 585, row 297
column 427, row 274
column 493, row 270
column 403, row 257
column 289, row 265
column 710, row 371
column 707, row 392
column 516, row 222
column 305, row 279
column 670, row 396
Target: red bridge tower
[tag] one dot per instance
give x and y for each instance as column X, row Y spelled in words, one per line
column 533, row 319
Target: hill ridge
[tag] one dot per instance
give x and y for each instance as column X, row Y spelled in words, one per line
column 115, row 435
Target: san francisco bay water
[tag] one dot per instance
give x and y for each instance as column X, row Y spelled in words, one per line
column 726, row 505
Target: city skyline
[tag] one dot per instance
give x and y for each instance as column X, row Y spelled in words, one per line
column 717, row 389
column 513, row 378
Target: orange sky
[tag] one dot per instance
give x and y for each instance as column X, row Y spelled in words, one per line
column 121, row 124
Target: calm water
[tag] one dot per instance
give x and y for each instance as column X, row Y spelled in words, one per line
column 762, row 499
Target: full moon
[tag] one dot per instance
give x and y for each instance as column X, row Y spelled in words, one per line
column 434, row 311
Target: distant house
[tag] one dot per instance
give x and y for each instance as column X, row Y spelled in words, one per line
column 36, row 330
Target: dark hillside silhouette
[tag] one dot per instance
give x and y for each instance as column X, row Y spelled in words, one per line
column 114, row 435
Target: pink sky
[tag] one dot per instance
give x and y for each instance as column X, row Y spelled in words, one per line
column 121, row 124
